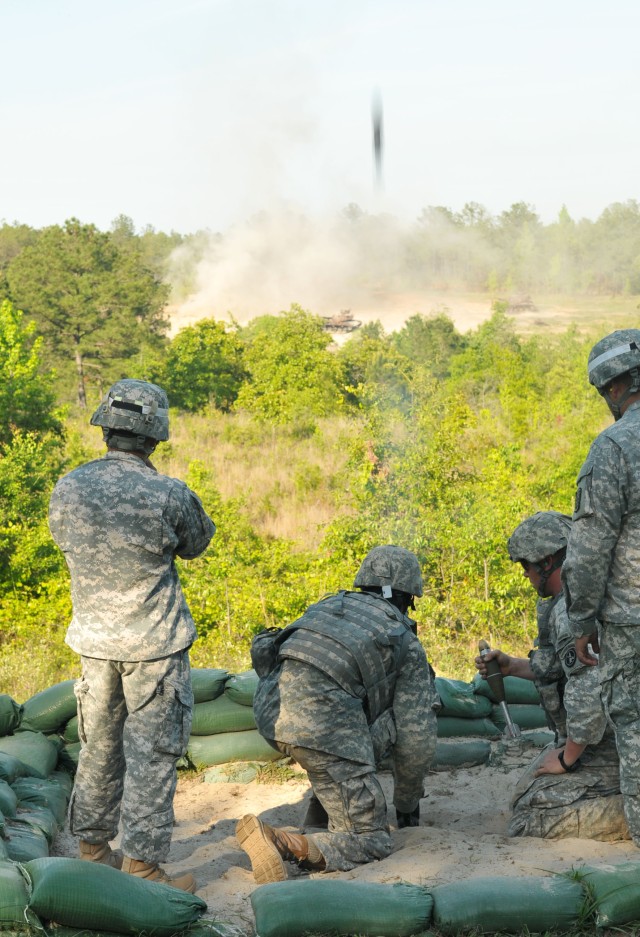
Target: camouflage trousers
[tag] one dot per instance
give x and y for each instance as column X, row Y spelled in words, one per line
column 134, row 720
column 619, row 668
column 585, row 804
column 355, row 803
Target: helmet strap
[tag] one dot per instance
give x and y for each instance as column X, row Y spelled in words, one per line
column 633, row 388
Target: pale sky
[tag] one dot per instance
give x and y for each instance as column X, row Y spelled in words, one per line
column 189, row 114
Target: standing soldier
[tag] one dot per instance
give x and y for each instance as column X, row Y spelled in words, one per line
column 603, row 557
column 572, row 788
column 347, row 686
column 121, row 525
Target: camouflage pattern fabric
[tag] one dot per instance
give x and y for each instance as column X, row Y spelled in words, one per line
column 603, row 555
column 297, row 705
column 562, row 805
column 134, row 721
column 586, row 804
column 120, row 525
column 619, row 667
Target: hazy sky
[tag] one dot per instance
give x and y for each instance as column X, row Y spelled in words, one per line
column 188, row 114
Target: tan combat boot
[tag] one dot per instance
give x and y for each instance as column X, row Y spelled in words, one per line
column 102, row 853
column 268, row 848
column 152, row 872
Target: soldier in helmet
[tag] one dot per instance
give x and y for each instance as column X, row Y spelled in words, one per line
column 603, row 557
column 121, row 525
column 349, row 686
column 572, row 788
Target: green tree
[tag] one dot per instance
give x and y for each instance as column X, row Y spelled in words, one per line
column 92, row 301
column 203, row 365
column 26, row 395
column 292, row 372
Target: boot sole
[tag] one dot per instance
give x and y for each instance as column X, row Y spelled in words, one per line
column 266, row 861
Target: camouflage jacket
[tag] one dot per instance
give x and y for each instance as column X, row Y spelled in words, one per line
column 300, row 703
column 603, row 556
column 120, row 525
column 556, row 659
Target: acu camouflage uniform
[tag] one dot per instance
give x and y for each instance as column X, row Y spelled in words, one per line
column 601, row 584
column 120, row 525
column 352, row 686
column 585, row 803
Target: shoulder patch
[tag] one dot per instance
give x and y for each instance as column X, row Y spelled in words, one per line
column 576, row 506
column 570, row 658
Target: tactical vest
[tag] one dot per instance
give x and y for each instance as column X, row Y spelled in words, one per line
column 345, row 636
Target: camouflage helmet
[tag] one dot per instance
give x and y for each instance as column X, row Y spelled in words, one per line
column 137, row 407
column 390, row 566
column 543, row 534
column 614, row 355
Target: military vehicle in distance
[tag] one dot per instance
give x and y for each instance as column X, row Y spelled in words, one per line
column 343, row 321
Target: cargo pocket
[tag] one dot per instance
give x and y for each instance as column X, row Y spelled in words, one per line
column 175, row 706
column 81, row 689
column 383, row 735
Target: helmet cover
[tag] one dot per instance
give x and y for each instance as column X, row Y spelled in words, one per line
column 541, row 535
column 134, row 406
column 614, row 355
column 390, row 566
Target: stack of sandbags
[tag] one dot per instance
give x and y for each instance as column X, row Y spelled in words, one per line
column 224, row 728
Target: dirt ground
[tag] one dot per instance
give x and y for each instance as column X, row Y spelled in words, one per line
column 464, row 818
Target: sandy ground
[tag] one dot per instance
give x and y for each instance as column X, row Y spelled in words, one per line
column 464, row 818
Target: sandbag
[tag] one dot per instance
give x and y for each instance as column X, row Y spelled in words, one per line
column 221, row 715
column 525, row 715
column 44, row 793
column 242, row 687
column 34, row 750
column 8, row 800
column 462, row 754
column 615, row 891
column 458, row 699
column 207, row 683
column 516, row 690
column 512, row 905
column 40, row 818
column 234, row 773
column 292, row 909
column 10, row 714
column 24, row 841
column 68, row 756
column 107, row 899
column 13, row 896
column 69, row 732
column 454, row 727
column 4, row 855
column 50, row 709
column 12, row 768
column 206, row 750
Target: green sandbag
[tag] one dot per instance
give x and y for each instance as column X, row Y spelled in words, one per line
column 14, row 897
column 242, row 687
column 40, row 818
column 12, row 768
column 98, row 897
column 24, row 841
column 458, row 699
column 539, row 737
column 33, row 749
column 454, row 727
column 206, row 750
column 207, row 683
column 50, row 709
column 525, row 715
column 68, row 756
column 4, row 854
column 243, row 773
column 42, row 793
column 512, row 905
column 615, row 891
column 69, row 732
column 516, row 690
column 10, row 714
column 8, row 800
column 292, row 909
column 462, row 754
column 221, row 715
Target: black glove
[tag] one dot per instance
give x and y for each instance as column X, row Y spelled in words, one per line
column 408, row 819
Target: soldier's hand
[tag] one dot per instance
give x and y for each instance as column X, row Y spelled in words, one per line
column 582, row 649
column 550, row 764
column 504, row 662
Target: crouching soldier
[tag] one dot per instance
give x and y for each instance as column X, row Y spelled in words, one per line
column 343, row 688
column 572, row 788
